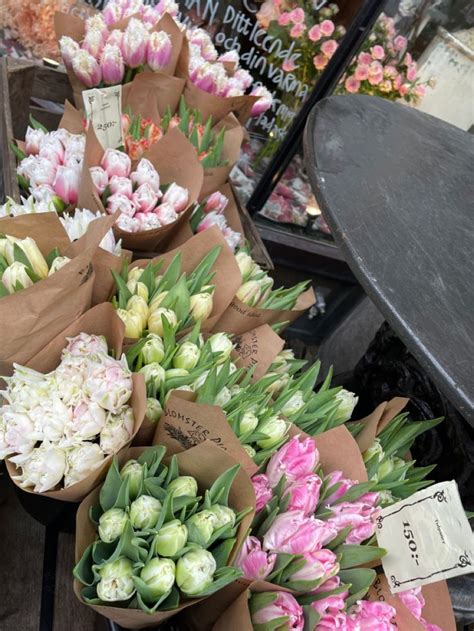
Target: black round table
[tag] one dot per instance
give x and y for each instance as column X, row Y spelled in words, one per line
column 397, row 189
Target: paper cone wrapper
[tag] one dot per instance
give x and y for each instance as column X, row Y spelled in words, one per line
column 233, row 139
column 437, row 610
column 151, row 93
column 237, row 616
column 240, row 318
column 175, row 160
column 378, row 420
column 218, row 106
column 101, row 320
column 257, row 349
column 227, row 274
column 190, row 462
column 32, row 317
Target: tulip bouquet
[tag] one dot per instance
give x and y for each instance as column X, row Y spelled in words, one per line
column 148, row 301
column 22, row 264
column 139, row 134
column 143, row 203
column 76, row 225
column 210, row 212
column 50, row 165
column 63, row 424
column 155, row 544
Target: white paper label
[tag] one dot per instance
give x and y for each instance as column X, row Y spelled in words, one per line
column 103, row 107
column 427, row 537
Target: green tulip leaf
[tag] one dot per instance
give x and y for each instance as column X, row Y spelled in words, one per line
column 222, row 552
column 219, row 491
column 83, row 569
column 111, row 486
column 360, row 580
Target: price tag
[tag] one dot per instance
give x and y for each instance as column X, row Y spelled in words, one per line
column 427, row 537
column 103, row 108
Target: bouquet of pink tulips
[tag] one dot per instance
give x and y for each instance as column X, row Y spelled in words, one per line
column 211, row 212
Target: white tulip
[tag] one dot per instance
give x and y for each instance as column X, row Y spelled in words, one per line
column 80, row 461
column 43, row 468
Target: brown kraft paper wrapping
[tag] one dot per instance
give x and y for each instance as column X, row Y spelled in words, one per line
column 185, row 424
column 378, row 420
column 218, row 106
column 227, row 277
column 101, row 320
column 190, row 462
column 175, row 160
column 240, row 318
column 33, row 316
column 237, row 616
column 437, row 610
column 151, row 93
column 257, row 349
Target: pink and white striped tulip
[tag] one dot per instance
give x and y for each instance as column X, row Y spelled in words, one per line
column 264, row 102
column 116, row 162
column 134, row 44
column 66, row 184
column 111, row 65
column 100, row 179
column 255, row 563
column 166, row 214
column 93, row 42
column 33, row 140
column 146, row 173
column 69, row 49
column 159, row 48
column 86, row 68
column 122, row 203
column 145, row 198
column 177, row 196
column 121, row 186
column 216, row 202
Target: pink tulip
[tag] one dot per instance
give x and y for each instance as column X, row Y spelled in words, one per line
column 314, row 33
column 201, row 39
column 255, row 563
column 149, row 16
column 69, row 49
column 93, row 42
column 327, row 28
column 53, row 150
column 361, row 518
column 206, row 78
column 264, row 102
column 168, row 6
column 66, row 184
column 122, row 203
column 297, row 16
column 284, row 19
column 116, row 162
column 295, row 460
column 217, row 202
column 231, row 56
column 365, row 58
column 232, row 237
column 159, row 49
column 128, row 224
column 294, row 533
column 212, row 219
column 319, row 564
column 147, row 221
column 330, row 604
column 400, row 42
column 243, row 77
column 145, row 198
column 361, row 72
column 320, row 62
column 112, row 13
column 333, row 621
column 121, row 186
column 97, row 22
column 297, row 30
column 39, row 172
column 329, row 47
column 166, row 214
column 341, row 484
column 86, row 69
column 132, row 7
column 134, row 44
column 284, row 606
column 176, row 196
column 373, row 615
column 111, row 65
column 304, row 494
column 115, row 39
column 413, row 601
column 145, row 172
column 262, row 489
column 100, row 179
column 377, row 52
column 352, row 85
column 33, row 140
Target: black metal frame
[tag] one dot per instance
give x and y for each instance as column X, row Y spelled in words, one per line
column 330, row 77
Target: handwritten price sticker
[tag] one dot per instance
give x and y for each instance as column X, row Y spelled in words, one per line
column 427, row 538
column 104, row 111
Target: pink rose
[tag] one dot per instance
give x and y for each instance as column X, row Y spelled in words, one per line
column 377, row 52
column 294, row 460
column 288, row 65
column 116, row 162
column 146, row 173
column 352, row 85
column 411, row 75
column 294, row 533
column 100, row 179
column 314, row 33
column 320, row 62
column 122, row 203
column 297, row 16
column 284, row 19
column 297, row 30
column 319, row 564
column 365, row 58
column 390, row 72
column 66, row 184
column 285, row 606
column 329, row 47
column 407, row 60
column 145, row 198
column 121, row 186
column 177, row 196
column 361, row 72
column 166, row 214
column 262, row 489
column 327, row 27
column 404, row 89
column 255, row 563
column 420, row 91
column 217, row 202
column 304, row 494
column 400, row 42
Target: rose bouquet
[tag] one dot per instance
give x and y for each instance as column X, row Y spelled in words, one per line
column 50, row 165
column 160, row 538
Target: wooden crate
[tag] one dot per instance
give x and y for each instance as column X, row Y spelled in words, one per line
column 20, row 82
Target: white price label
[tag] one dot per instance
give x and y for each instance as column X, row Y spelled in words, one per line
column 103, row 107
column 427, row 537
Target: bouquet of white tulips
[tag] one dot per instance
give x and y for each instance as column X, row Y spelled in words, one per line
column 156, row 538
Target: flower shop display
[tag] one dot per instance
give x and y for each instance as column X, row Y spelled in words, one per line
column 156, row 538
column 70, row 409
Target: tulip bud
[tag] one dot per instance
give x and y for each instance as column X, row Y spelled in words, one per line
column 177, row 197
column 275, row 428
column 375, row 449
column 248, row 423
column 183, row 485
column 32, row 253
column 264, row 102
column 116, row 162
column 139, row 289
column 153, row 410
column 66, row 184
column 195, row 572
column 133, row 323
column 172, row 373
column 154, row 374
column 116, row 581
column 294, row 405
column 112, row 524
column 144, row 512
column 250, row 451
column 132, row 470
column 187, row 356
column 347, row 402
column 153, row 350
column 170, row 539
column 201, row 306
column 245, row 263
column 100, row 179
column 111, row 65
column 86, row 68
column 58, row 263
column 385, row 468
column 157, row 300
column 15, row 276
column 159, row 50
column 159, row 575
column 69, row 49
column 145, row 172
column 216, row 203
column 223, row 397
column 155, row 323
column 224, row 516
column 221, row 343
column 134, row 44
column 139, row 305
column 249, row 293
column 135, row 273
column 200, row 527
